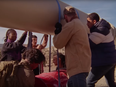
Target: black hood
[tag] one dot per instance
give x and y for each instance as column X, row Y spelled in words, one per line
column 102, row 27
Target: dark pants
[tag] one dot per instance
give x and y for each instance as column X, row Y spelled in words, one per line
column 78, row 80
column 98, row 72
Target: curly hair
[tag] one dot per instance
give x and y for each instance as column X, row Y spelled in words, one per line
column 33, row 55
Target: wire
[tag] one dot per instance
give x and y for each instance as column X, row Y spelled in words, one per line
column 59, row 16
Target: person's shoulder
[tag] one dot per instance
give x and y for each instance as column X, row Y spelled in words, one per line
column 102, row 27
column 8, row 43
column 5, row 43
column 103, row 24
column 69, row 24
column 77, row 21
column 79, row 25
column 6, row 63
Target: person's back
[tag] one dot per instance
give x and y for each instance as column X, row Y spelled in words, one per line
column 8, row 70
column 20, row 74
column 77, row 50
column 13, row 74
column 25, row 75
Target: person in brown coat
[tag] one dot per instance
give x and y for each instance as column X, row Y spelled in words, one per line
column 73, row 36
column 20, row 74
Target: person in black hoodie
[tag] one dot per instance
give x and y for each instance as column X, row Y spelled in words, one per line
column 12, row 50
column 103, row 51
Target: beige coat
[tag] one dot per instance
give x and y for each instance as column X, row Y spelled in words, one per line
column 77, row 50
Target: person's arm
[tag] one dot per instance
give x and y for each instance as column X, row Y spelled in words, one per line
column 95, row 38
column 22, row 38
column 44, row 44
column 61, row 39
column 23, row 48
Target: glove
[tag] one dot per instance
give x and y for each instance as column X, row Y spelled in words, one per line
column 58, row 27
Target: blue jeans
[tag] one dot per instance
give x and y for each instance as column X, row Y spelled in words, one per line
column 78, row 80
column 98, row 72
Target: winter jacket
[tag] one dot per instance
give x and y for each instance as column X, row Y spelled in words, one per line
column 13, row 50
column 77, row 50
column 102, row 44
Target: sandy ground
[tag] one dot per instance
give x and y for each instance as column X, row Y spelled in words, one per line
column 100, row 83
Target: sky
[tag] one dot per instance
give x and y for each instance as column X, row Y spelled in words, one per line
column 105, row 8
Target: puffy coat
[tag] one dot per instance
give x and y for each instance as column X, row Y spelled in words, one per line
column 102, row 44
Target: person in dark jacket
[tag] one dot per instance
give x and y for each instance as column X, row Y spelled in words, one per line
column 103, row 51
column 12, row 50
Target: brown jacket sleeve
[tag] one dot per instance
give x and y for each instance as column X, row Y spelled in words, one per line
column 61, row 39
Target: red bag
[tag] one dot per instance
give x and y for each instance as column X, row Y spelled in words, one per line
column 51, row 79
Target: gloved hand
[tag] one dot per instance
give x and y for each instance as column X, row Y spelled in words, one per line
column 58, row 27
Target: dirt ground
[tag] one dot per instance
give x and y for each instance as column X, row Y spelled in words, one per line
column 100, row 83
